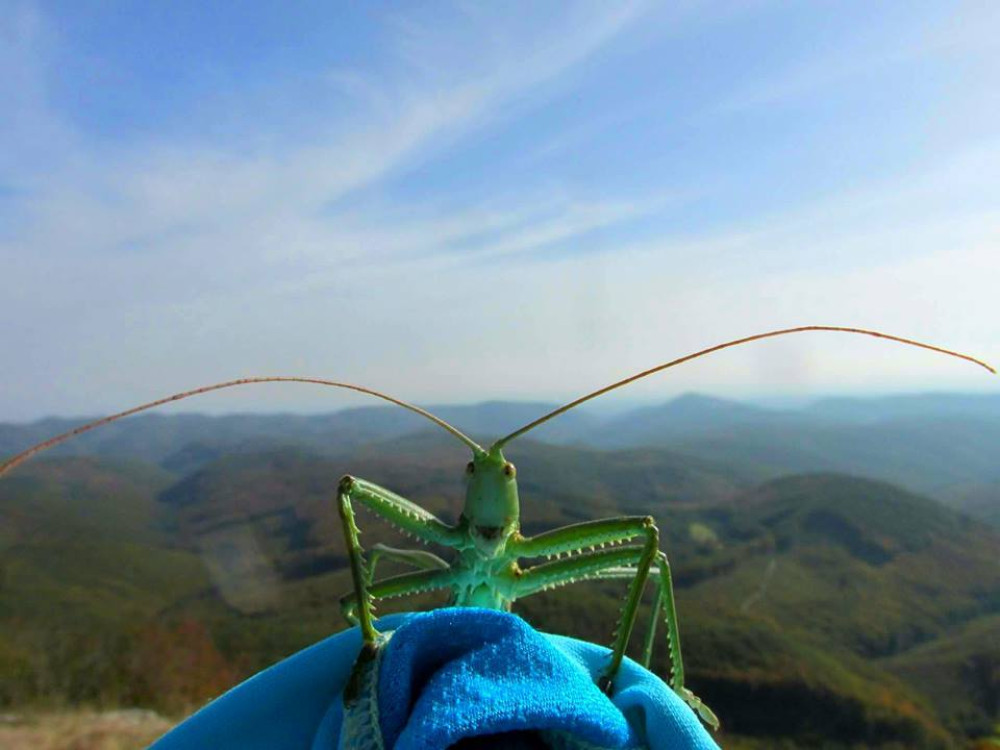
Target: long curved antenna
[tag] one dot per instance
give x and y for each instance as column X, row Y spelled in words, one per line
column 673, row 363
column 23, row 456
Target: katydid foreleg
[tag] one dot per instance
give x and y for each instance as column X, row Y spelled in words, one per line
column 580, row 537
column 399, row 512
column 404, row 514
column 611, row 565
column 351, row 605
column 583, row 536
column 589, row 565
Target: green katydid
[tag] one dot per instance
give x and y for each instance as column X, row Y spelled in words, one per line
column 488, row 547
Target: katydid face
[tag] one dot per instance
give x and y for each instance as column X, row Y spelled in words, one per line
column 492, row 509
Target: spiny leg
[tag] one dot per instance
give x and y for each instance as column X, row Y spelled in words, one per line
column 583, row 536
column 647, row 646
column 357, row 563
column 399, row 512
column 406, row 584
column 663, row 603
column 417, row 558
column 589, row 565
column 580, row 537
column 353, row 604
column 405, row 515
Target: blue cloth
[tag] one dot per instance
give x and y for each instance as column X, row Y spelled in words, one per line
column 442, row 676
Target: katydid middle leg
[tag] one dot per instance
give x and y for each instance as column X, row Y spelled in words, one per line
column 625, row 563
column 406, row 584
column 416, row 558
column 398, row 511
column 585, row 536
column 663, row 602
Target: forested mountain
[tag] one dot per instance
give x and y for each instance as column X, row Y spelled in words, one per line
column 816, row 609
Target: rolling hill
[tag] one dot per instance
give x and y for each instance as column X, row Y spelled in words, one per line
column 816, row 608
column 943, row 445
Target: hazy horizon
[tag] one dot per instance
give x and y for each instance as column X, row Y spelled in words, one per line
column 609, row 407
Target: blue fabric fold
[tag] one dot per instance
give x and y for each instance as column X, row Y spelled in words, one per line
column 443, row 676
column 492, row 674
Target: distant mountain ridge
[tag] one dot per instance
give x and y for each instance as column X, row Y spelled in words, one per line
column 687, row 414
column 863, row 410
column 942, row 444
column 155, row 437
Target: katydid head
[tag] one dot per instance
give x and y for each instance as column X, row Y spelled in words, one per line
column 492, row 509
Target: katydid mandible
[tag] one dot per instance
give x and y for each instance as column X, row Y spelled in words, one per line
column 487, row 543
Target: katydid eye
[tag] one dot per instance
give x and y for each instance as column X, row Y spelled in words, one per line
column 509, row 471
column 470, row 468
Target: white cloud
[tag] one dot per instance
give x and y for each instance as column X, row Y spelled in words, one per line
column 158, row 246
column 162, row 265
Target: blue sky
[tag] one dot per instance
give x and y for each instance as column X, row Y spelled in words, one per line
column 464, row 201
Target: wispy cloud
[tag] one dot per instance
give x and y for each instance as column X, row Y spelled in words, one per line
column 114, row 238
column 169, row 258
column 236, row 206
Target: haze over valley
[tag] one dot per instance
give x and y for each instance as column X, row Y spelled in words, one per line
column 836, row 563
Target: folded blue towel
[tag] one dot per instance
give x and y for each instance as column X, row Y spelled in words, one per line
column 442, row 677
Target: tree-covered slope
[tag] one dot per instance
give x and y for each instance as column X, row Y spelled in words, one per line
column 847, row 575
column 814, row 609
